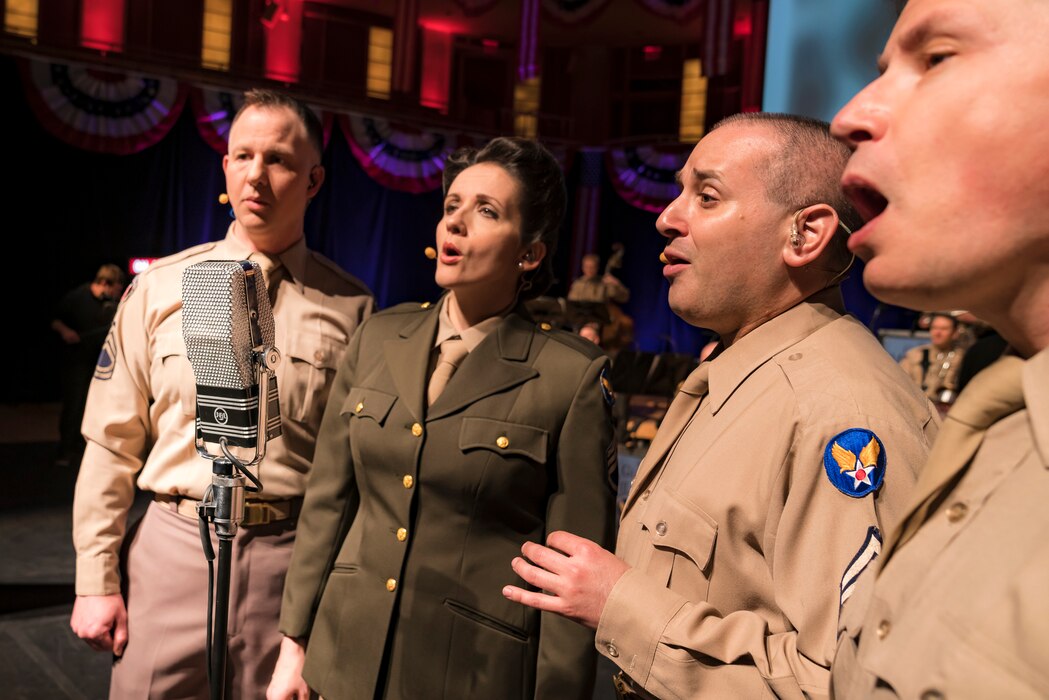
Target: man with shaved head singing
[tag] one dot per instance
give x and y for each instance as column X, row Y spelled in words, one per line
column 763, row 494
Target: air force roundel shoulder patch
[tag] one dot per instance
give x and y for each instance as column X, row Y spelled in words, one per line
column 855, row 462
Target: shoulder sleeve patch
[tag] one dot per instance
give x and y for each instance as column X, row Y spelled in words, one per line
column 868, row 552
column 855, row 462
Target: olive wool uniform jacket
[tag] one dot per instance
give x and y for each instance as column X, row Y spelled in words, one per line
column 413, row 514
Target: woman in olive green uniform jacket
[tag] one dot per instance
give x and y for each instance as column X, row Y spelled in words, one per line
column 420, row 497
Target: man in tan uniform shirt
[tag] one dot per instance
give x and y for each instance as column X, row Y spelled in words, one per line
column 934, row 366
column 139, row 426
column 951, row 140
column 762, row 495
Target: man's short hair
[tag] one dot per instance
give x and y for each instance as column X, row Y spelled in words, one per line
column 940, row 314
column 269, row 99
column 110, row 273
column 805, row 170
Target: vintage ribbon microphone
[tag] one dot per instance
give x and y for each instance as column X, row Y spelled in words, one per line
column 227, row 324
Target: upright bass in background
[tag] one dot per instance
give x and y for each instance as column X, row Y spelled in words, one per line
column 619, row 333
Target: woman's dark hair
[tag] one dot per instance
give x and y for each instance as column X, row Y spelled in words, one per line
column 542, row 195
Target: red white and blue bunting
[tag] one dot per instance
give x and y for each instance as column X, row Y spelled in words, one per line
column 213, row 111
column 397, row 157
column 645, row 176
column 101, row 110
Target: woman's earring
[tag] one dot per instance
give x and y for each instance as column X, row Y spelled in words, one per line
column 520, row 264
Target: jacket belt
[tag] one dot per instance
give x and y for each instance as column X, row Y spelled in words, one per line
column 256, row 511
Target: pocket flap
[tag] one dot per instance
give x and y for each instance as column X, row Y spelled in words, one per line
column 313, row 348
column 170, row 343
column 368, row 403
column 504, row 438
column 675, row 523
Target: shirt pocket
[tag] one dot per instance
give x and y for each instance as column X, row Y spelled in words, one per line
column 311, row 363
column 682, row 536
column 177, row 381
column 504, row 438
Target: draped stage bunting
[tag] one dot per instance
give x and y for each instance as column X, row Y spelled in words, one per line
column 402, row 159
column 100, row 110
column 213, row 111
column 644, row 176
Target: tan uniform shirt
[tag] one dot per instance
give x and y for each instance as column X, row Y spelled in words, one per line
column 139, row 419
column 942, row 373
column 961, row 610
column 595, row 289
column 742, row 548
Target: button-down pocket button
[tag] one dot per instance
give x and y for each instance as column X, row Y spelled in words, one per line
column 612, row 651
column 661, row 528
column 502, row 442
column 359, row 407
column 957, row 511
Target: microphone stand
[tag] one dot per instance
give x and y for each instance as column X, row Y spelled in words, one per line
column 223, row 505
column 223, row 502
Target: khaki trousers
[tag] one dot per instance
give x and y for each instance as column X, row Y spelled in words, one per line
column 167, row 593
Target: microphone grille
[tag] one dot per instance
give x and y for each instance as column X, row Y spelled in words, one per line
column 215, row 322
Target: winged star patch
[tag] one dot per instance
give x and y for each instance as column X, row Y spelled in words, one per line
column 855, row 462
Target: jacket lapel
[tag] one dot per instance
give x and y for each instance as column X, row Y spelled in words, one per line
column 497, row 364
column 408, row 360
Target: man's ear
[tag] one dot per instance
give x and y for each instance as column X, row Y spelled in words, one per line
column 316, row 179
column 809, row 234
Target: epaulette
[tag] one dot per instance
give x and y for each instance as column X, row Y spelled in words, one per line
column 571, row 340
column 178, row 257
column 409, row 307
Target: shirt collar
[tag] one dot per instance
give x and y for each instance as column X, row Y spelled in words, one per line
column 734, row 364
column 471, row 336
column 293, row 259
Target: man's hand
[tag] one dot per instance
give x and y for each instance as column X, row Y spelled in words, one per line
column 101, row 621
column 578, row 573
column 287, row 682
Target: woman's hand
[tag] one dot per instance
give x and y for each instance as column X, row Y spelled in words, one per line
column 287, row 682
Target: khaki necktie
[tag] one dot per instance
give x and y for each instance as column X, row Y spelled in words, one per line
column 993, row 394
column 453, row 351
column 673, row 425
column 272, row 272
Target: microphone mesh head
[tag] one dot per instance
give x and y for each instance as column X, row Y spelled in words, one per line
column 215, row 322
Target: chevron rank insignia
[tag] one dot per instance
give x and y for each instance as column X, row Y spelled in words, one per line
column 855, row 462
